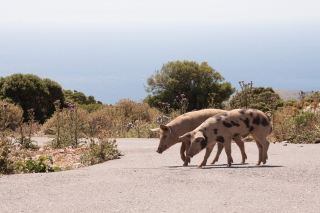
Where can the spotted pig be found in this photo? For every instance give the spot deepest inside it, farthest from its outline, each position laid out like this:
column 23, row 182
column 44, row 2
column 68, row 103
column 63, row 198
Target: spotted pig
column 169, row 134
column 222, row 127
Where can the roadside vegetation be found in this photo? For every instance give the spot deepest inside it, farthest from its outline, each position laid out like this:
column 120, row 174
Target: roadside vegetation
column 84, row 131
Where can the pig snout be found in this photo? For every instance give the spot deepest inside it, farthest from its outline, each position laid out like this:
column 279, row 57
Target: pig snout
column 190, row 154
column 161, row 149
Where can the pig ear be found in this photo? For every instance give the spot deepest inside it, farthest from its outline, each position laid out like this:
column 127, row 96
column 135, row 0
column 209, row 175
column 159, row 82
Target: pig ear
column 187, row 135
column 155, row 130
column 165, row 128
column 199, row 134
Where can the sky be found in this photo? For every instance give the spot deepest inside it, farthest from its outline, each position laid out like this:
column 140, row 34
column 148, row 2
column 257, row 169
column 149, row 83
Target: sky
column 109, row 49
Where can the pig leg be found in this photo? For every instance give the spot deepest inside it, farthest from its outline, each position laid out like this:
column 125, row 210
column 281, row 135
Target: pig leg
column 265, row 151
column 206, row 156
column 220, row 148
column 265, row 146
column 260, row 153
column 187, row 159
column 182, row 150
column 240, row 144
column 227, row 147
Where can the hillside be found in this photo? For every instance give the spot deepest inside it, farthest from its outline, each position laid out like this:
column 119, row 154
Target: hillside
column 289, row 94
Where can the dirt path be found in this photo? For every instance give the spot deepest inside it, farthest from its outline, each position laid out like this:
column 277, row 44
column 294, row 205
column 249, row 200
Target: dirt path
column 144, row 181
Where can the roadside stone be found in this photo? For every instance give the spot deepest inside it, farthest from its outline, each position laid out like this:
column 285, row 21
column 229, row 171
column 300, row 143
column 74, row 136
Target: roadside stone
column 36, row 157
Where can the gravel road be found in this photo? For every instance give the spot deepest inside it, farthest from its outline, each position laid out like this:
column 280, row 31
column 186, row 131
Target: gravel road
column 145, row 181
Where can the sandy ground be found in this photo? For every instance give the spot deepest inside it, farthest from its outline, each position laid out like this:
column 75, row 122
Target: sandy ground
column 145, row 181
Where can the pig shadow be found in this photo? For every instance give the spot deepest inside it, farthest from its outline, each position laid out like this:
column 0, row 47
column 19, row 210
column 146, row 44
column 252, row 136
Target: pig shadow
column 240, row 166
column 224, row 166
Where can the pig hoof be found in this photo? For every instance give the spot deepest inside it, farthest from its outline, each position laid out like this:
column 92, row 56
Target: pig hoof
column 185, row 164
column 214, row 161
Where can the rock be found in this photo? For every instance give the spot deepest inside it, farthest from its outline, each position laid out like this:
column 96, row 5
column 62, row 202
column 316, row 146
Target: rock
column 36, row 157
column 48, row 132
column 78, row 165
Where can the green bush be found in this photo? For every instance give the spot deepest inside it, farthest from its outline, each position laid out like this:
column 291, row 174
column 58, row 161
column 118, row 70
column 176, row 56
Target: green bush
column 264, row 99
column 100, row 151
column 36, row 166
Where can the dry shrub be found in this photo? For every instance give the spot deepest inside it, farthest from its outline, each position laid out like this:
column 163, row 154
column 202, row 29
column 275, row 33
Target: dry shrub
column 11, row 117
column 295, row 126
column 142, row 130
column 133, row 111
column 111, row 119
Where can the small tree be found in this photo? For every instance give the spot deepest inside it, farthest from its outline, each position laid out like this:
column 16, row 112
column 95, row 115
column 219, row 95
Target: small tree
column 189, row 78
column 31, row 92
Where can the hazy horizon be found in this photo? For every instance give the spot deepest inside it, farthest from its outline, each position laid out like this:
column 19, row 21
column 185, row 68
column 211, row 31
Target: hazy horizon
column 273, row 44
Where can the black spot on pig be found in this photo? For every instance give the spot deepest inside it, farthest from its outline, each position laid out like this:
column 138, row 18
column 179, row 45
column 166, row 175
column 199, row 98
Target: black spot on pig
column 246, row 121
column 204, row 142
column 226, row 124
column 264, row 122
column 243, row 111
column 215, row 131
column 256, row 120
column 220, row 139
column 235, row 123
column 251, row 129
